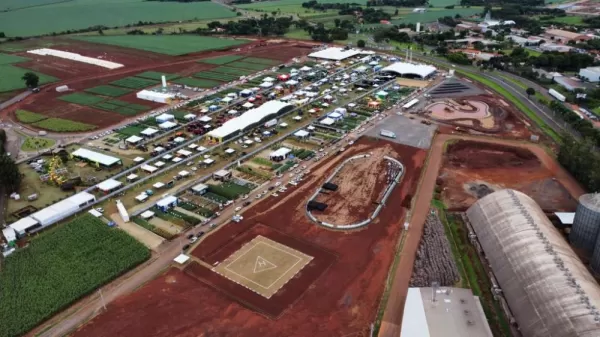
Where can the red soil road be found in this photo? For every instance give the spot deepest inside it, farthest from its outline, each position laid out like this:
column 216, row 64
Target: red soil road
column 392, row 318
column 498, row 166
column 343, row 301
column 361, row 183
column 280, row 301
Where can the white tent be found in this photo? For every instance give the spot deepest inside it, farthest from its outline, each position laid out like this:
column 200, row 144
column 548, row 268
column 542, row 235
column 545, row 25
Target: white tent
column 248, row 105
column 227, row 100
column 149, row 132
column 134, row 139
column 167, row 125
column 266, row 84
column 205, row 119
column 327, row 121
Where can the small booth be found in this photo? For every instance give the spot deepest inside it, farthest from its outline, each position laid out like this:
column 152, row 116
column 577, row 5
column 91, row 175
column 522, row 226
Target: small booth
column 149, row 132
column 183, row 174
column 141, row 197
column 147, row 215
column 184, row 153
column 164, row 118
column 302, row 134
column 131, row 177
column 179, row 140
column 222, row 175
column 280, row 154
column 134, row 140
column 148, row 168
column 165, row 204
column 109, row 185
column 327, row 121
column 229, row 151
column 158, row 185
column 227, row 100
column 167, row 125
column 205, row 119
column 297, row 118
column 138, row 160
column 189, row 117
column 159, row 164
column 247, row 105
column 200, row 189
column 208, row 161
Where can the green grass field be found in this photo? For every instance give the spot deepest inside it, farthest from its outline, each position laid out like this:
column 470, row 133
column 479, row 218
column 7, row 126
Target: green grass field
column 77, row 14
column 108, row 90
column 209, row 75
column 570, row 20
column 10, row 59
column 155, row 75
column 134, row 82
column 430, row 16
column 60, row 266
column 251, row 66
column 232, row 71
column 63, row 125
column 279, row 4
column 11, row 5
column 10, row 78
column 199, row 83
column 260, row 60
column 222, row 59
column 29, row 117
column 165, row 44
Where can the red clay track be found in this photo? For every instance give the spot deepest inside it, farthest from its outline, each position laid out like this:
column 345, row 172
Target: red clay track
column 343, row 301
column 392, row 319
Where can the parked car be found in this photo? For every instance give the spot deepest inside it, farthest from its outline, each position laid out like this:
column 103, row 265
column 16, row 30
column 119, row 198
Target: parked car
column 186, row 247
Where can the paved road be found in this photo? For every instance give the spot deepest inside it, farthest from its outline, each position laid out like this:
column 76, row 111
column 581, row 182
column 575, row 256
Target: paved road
column 15, row 99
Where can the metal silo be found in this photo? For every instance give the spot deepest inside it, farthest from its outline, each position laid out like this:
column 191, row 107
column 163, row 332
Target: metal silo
column 586, row 223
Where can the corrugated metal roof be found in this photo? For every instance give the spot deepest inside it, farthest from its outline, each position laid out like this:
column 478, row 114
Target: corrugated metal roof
column 549, row 290
column 248, row 118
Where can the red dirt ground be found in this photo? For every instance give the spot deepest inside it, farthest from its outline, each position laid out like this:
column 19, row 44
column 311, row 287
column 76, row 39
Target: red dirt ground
column 280, row 301
column 343, row 301
column 497, row 166
column 360, row 183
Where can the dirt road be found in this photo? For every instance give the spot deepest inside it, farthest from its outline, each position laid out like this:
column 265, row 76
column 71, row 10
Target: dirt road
column 392, row 318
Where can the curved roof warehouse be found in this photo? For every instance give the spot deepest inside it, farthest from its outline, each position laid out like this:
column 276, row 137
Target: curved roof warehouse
column 549, row 290
column 415, row 70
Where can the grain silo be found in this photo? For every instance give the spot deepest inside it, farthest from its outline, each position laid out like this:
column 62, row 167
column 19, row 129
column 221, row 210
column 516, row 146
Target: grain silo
column 586, row 223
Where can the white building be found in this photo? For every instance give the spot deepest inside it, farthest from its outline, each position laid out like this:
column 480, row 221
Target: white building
column 167, row 125
column 149, row 132
column 403, row 69
column 109, row 185
column 335, row 53
column 95, row 157
column 134, row 139
column 591, row 74
column 164, row 118
column 154, row 96
column 280, row 154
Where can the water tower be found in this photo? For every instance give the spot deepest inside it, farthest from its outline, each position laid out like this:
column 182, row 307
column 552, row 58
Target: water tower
column 586, row 223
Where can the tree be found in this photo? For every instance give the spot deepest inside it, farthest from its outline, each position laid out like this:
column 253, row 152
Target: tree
column 337, row 22
column 2, row 35
column 9, row 174
column 360, row 43
column 31, row 80
column 530, row 91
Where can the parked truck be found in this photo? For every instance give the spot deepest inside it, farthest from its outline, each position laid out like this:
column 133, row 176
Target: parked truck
column 387, row 133
column 557, row 95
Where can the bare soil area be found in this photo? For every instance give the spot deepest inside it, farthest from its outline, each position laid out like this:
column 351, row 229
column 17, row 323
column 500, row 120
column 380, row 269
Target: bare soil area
column 361, row 183
column 342, row 301
column 473, row 169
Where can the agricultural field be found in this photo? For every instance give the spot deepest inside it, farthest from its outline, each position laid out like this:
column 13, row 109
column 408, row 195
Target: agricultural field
column 59, row 267
column 12, row 77
column 155, row 75
column 273, row 5
column 199, row 83
column 569, row 20
column 247, row 65
column 168, row 44
column 134, row 82
column 216, row 76
column 75, row 15
column 10, row 59
column 108, row 90
column 222, row 59
column 82, row 99
column 51, row 124
column 232, row 71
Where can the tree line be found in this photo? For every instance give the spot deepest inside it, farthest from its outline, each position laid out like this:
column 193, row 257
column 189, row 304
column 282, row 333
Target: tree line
column 10, row 177
column 582, row 160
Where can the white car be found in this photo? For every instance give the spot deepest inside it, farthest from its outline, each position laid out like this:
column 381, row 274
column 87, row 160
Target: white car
column 239, row 208
column 275, row 194
column 277, row 183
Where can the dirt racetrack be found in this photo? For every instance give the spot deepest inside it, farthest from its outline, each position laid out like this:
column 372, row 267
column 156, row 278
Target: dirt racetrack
column 361, row 183
column 472, row 170
column 341, row 302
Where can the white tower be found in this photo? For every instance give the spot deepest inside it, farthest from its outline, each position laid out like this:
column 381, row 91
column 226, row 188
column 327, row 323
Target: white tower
column 164, row 81
column 418, row 29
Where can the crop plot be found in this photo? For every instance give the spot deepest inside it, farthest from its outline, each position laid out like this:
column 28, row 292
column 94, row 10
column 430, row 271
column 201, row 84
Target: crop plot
column 10, row 59
column 134, row 82
column 108, row 90
column 81, row 99
column 263, row 265
column 217, row 76
column 41, row 279
column 12, row 77
column 198, row 83
column 247, row 65
column 232, row 71
column 260, row 60
column 155, row 75
column 220, row 60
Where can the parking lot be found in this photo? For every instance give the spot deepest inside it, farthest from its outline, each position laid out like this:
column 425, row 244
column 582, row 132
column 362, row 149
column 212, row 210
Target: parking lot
column 409, row 132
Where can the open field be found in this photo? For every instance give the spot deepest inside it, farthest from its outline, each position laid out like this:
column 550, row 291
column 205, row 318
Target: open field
column 12, row 78
column 472, row 170
column 60, row 266
column 168, row 45
column 51, row 124
column 10, row 59
column 273, row 5
column 107, row 90
column 75, row 15
column 342, row 301
column 37, row 143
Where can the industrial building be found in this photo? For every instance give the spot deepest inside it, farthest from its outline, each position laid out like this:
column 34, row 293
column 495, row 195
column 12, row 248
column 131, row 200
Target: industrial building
column 95, row 157
column 404, row 69
column 249, row 119
column 548, row 289
column 166, row 203
column 443, row 312
column 565, row 36
column 52, row 214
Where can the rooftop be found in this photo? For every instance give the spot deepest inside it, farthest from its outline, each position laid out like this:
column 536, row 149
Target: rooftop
column 455, row 312
column 96, row 157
